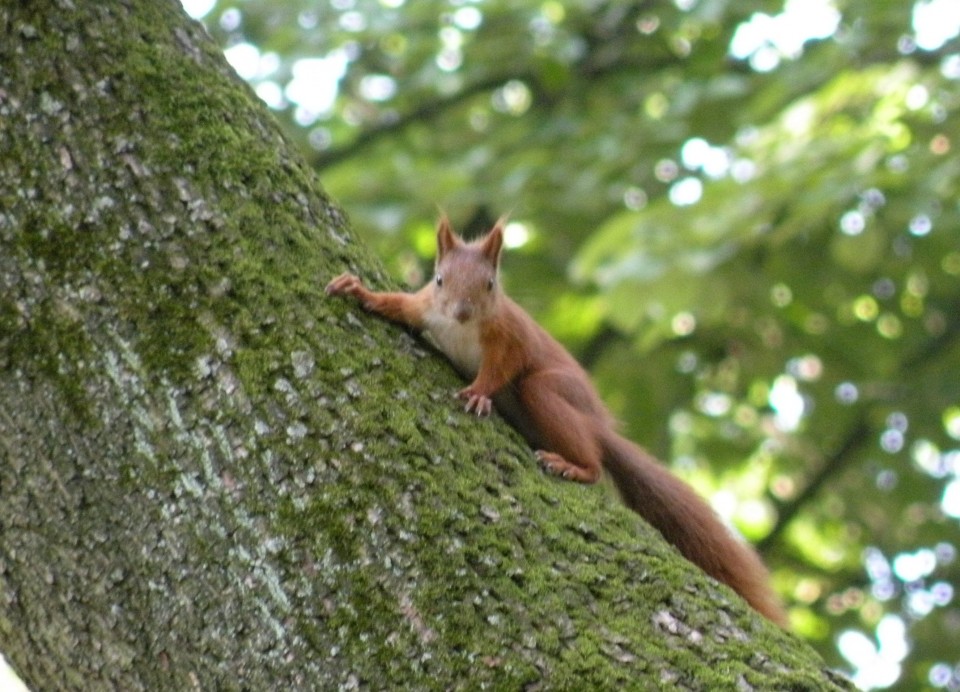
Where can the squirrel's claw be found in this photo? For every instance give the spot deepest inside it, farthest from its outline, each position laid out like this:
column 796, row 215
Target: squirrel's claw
column 476, row 403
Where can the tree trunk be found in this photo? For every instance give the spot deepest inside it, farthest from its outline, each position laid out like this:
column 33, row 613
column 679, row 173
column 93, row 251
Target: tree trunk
column 212, row 477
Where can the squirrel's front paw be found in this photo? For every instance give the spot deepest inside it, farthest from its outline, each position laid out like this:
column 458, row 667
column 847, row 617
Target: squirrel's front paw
column 346, row 285
column 476, row 402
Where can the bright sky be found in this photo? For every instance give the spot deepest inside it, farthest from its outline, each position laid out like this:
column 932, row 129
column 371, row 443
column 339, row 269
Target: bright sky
column 9, row 682
column 198, row 9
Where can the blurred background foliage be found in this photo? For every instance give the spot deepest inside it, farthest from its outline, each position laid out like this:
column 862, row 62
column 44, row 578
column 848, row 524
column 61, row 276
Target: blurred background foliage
column 742, row 216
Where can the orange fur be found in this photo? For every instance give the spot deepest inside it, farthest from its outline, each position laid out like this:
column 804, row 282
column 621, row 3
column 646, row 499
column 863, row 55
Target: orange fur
column 541, row 389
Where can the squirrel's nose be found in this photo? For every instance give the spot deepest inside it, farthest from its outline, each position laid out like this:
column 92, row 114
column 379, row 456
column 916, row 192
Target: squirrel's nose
column 463, row 311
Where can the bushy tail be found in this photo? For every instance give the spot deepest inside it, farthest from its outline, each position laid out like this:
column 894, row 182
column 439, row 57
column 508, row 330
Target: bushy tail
column 688, row 522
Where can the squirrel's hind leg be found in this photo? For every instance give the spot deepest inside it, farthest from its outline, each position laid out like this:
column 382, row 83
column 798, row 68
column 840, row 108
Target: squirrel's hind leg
column 569, row 445
column 556, row 465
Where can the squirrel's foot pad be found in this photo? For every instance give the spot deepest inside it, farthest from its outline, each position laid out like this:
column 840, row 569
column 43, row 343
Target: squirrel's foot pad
column 556, row 465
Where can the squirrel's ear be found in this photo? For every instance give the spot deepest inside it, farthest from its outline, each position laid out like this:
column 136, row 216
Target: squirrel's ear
column 493, row 242
column 446, row 238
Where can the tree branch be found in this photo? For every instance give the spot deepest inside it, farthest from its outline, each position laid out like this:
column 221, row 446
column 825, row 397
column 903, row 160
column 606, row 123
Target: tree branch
column 425, row 112
column 833, row 463
column 588, row 68
column 859, row 435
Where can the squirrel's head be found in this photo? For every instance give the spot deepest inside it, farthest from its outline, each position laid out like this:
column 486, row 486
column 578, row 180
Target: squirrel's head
column 466, row 282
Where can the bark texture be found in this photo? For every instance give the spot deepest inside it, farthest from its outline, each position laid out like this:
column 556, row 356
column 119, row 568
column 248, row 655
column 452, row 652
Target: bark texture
column 212, row 477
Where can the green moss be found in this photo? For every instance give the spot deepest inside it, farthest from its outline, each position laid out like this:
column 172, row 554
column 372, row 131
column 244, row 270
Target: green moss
column 54, row 345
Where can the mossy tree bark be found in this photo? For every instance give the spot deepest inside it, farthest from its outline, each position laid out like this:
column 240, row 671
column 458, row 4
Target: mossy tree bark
column 212, row 477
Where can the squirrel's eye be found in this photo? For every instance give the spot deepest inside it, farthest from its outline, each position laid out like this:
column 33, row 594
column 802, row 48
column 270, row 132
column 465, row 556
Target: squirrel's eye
column 439, row 280
column 490, row 284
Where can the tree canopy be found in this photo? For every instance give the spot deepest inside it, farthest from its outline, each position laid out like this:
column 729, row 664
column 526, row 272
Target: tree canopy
column 742, row 216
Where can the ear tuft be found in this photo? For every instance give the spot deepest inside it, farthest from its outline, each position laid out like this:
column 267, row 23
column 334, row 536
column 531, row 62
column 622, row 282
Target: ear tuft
column 446, row 238
column 493, row 242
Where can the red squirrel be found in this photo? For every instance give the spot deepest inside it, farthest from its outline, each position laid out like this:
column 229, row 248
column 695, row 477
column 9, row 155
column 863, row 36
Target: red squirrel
column 542, row 390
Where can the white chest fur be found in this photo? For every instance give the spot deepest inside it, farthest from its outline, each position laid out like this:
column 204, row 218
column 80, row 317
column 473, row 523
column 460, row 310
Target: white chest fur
column 459, row 342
